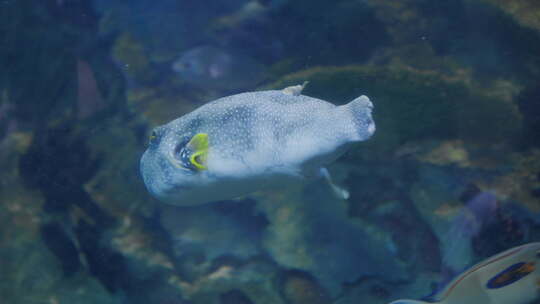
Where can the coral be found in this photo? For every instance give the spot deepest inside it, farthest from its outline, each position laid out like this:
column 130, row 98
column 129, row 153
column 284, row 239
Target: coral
column 518, row 182
column 312, row 233
column 300, row 288
column 472, row 33
column 31, row 272
column 254, row 279
column 133, row 58
column 450, row 152
column 229, row 229
column 526, row 12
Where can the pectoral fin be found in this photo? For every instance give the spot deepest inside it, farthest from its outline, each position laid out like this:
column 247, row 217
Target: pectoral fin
column 199, row 147
column 338, row 191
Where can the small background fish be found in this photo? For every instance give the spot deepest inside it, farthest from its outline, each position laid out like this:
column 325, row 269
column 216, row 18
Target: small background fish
column 210, row 67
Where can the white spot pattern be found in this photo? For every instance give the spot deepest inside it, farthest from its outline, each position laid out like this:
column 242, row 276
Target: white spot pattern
column 255, row 138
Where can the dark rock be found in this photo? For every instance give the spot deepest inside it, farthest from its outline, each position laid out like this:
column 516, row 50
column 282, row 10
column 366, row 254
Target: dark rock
column 469, row 192
column 529, row 106
column 106, row 265
column 63, row 247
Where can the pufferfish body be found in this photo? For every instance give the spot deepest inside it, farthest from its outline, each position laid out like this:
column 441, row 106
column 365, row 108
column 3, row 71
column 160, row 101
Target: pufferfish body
column 251, row 141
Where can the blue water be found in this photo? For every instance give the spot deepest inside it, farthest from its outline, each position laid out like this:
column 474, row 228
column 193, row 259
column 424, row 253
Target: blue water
column 450, row 177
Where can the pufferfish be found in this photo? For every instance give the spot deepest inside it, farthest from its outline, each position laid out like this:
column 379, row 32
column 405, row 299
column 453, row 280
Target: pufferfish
column 510, row 277
column 248, row 142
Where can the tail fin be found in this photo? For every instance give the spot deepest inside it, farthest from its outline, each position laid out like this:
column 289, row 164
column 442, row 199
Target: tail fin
column 409, row 302
column 360, row 111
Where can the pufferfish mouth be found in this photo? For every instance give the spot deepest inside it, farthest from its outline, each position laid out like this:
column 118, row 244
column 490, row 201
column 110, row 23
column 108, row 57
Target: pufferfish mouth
column 191, row 154
column 178, row 163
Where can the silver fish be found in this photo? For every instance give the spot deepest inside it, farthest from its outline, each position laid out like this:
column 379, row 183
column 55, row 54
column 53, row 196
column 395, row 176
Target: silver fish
column 209, row 67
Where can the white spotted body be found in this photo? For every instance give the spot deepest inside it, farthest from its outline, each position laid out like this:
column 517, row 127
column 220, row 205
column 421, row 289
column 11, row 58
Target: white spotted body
column 255, row 140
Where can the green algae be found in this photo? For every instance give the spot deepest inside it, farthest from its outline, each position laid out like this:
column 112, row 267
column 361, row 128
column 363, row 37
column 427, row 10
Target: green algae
column 413, row 105
column 525, row 12
column 133, row 56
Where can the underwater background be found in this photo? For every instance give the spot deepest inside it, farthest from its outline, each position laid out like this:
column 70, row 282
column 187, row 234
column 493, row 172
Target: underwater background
column 450, row 177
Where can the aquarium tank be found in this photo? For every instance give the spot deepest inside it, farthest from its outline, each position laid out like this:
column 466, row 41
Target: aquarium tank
column 269, row 152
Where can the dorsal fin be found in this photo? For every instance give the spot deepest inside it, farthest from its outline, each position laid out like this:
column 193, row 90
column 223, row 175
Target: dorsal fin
column 295, row 90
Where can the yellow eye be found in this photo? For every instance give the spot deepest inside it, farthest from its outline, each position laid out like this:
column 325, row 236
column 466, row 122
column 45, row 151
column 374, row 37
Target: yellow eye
column 153, row 137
